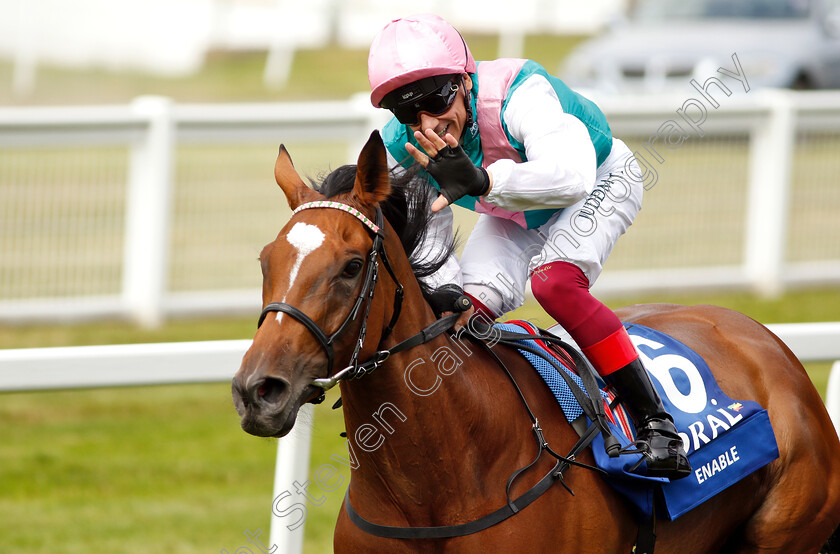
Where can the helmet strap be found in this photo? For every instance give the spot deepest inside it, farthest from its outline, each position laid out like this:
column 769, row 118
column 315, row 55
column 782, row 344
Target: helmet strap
column 468, row 102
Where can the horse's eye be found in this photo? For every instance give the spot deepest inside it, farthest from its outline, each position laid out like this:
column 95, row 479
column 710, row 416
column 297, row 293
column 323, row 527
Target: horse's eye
column 352, row 268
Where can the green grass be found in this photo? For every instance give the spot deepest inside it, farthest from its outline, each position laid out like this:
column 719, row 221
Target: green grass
column 167, row 469
column 129, row 470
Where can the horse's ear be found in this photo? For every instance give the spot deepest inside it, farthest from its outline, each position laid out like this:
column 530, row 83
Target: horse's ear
column 287, row 177
column 373, row 183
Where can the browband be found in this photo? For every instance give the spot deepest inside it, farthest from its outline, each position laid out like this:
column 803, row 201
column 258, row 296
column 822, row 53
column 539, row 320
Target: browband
column 339, row 206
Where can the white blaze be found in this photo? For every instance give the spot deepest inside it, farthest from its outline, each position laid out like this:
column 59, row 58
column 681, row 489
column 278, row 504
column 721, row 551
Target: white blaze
column 306, row 239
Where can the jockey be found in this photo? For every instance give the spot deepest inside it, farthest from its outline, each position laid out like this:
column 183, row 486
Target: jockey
column 553, row 188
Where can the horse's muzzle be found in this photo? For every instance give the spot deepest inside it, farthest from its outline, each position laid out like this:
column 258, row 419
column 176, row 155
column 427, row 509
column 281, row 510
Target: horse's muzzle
column 265, row 406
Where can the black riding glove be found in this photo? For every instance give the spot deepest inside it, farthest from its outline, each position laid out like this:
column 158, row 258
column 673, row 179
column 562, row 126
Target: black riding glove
column 456, row 174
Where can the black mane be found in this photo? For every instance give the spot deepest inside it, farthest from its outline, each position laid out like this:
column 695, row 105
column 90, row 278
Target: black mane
column 408, row 210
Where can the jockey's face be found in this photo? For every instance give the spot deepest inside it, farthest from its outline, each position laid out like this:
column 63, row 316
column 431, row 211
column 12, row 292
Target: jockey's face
column 452, row 120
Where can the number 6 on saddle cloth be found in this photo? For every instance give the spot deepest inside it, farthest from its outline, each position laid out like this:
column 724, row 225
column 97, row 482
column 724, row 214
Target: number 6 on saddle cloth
column 725, row 439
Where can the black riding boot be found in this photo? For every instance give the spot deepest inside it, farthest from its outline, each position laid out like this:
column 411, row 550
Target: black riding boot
column 656, row 436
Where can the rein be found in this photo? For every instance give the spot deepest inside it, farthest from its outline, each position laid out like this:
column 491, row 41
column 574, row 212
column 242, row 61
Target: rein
column 591, row 404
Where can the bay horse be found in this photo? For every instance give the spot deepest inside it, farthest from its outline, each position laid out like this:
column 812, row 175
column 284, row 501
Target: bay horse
column 438, row 428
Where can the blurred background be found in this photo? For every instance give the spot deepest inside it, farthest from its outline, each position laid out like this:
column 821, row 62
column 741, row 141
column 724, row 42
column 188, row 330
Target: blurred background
column 137, row 141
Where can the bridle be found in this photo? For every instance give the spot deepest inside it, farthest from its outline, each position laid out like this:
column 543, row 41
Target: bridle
column 377, row 250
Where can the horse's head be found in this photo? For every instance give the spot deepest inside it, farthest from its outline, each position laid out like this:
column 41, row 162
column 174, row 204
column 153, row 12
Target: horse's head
column 317, row 277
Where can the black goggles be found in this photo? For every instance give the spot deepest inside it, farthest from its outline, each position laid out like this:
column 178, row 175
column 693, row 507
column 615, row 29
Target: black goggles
column 434, row 103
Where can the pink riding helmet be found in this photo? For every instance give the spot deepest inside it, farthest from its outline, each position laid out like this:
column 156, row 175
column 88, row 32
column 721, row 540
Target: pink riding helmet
column 413, row 48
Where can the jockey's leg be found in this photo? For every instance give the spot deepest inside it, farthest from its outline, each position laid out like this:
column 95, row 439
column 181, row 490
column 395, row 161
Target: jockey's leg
column 655, row 432
column 562, row 290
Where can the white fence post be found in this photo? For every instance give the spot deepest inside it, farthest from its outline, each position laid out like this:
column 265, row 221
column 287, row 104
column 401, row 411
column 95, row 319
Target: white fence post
column 26, row 49
column 290, row 472
column 832, row 395
column 148, row 214
column 771, row 155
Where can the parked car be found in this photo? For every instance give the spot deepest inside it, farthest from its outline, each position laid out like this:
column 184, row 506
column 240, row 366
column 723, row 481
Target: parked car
column 663, row 44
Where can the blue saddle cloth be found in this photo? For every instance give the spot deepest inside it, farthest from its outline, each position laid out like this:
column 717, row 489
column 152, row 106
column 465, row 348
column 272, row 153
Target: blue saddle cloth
column 725, row 440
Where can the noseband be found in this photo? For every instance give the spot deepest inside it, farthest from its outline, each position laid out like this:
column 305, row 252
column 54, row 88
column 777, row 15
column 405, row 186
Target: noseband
column 371, row 276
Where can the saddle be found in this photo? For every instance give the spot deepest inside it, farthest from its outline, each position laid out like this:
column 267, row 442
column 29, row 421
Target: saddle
column 725, row 439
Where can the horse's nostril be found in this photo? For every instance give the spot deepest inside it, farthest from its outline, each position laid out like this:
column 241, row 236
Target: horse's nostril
column 271, row 390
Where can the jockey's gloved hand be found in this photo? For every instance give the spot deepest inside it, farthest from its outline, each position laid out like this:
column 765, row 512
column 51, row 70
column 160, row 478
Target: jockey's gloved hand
column 457, row 175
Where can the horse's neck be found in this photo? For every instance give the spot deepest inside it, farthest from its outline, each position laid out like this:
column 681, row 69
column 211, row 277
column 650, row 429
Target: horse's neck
column 424, row 412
